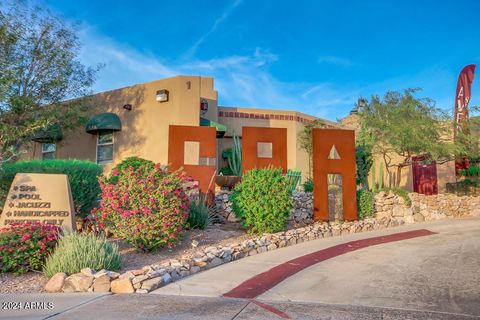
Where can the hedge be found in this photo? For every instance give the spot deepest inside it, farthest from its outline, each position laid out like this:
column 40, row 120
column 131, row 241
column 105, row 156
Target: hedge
column 82, row 175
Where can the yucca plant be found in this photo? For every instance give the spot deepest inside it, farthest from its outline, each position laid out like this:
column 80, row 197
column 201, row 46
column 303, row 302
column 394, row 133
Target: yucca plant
column 235, row 157
column 201, row 213
column 76, row 251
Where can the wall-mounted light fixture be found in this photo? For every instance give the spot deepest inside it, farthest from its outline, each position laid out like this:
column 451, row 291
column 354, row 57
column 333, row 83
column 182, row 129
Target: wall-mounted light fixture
column 162, row 95
column 203, row 106
column 128, row 107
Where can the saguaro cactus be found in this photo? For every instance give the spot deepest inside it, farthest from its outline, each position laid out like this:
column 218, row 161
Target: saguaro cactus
column 235, row 158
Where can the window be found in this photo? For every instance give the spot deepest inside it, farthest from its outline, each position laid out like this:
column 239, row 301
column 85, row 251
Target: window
column 105, row 147
column 48, row 150
column 264, row 149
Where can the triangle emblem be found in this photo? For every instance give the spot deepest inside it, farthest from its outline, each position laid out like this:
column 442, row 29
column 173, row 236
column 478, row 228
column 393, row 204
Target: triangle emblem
column 333, row 154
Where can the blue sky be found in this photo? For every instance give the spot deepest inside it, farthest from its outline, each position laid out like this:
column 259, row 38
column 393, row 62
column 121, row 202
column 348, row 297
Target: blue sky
column 316, row 57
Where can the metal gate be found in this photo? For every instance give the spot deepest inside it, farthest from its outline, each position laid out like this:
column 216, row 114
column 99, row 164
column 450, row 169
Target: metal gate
column 424, row 176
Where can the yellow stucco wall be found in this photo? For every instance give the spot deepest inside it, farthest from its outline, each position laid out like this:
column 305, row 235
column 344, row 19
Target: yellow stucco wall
column 145, row 128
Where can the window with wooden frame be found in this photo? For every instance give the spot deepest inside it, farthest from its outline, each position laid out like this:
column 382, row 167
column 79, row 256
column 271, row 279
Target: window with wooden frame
column 48, row 150
column 105, row 147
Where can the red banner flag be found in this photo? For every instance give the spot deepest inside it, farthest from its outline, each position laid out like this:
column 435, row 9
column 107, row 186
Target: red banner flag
column 462, row 97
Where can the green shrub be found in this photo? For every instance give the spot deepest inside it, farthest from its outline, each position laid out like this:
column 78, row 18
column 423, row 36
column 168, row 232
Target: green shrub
column 76, row 251
column 82, row 175
column 263, row 200
column 364, row 161
column 472, row 171
column 147, row 207
column 200, row 214
column 365, row 203
column 308, row 185
column 466, row 187
column 134, row 162
column 24, row 246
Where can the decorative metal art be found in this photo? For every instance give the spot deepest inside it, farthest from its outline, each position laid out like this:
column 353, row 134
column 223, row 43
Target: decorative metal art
column 264, row 147
column 334, row 153
column 204, row 170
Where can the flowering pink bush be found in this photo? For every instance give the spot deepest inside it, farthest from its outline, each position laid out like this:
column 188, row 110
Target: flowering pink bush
column 147, row 207
column 25, row 245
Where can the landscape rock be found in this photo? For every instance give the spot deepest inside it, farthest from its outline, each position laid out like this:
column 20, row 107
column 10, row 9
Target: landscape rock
column 123, row 285
column 418, row 217
column 214, row 262
column 102, row 284
column 138, row 279
column 55, row 284
column 88, row 272
column 166, row 278
column 77, row 282
column 152, row 284
column 141, row 291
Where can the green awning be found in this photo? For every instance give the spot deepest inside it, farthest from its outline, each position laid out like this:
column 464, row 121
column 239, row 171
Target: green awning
column 52, row 133
column 103, row 121
column 221, row 128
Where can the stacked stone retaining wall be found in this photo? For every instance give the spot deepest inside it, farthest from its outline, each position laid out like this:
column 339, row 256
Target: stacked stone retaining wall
column 391, row 211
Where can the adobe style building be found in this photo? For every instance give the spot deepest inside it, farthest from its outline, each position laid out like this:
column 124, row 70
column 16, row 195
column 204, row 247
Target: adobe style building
column 135, row 120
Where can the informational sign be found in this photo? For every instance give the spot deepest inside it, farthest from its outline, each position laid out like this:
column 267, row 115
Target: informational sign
column 46, row 198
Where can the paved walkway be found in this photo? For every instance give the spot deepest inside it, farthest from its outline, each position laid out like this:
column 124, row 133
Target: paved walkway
column 161, row 307
column 439, row 272
column 428, row 276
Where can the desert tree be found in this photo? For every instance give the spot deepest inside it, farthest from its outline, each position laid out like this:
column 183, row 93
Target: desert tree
column 42, row 80
column 400, row 126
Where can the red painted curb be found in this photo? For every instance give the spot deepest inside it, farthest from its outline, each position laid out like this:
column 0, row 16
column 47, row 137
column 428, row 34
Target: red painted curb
column 271, row 309
column 262, row 282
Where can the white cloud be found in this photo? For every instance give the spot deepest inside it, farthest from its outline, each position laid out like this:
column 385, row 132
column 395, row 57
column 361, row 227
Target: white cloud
column 246, row 81
column 241, row 80
column 191, row 51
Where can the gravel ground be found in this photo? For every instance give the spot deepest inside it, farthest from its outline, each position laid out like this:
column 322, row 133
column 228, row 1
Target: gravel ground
column 31, row 282
column 219, row 234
